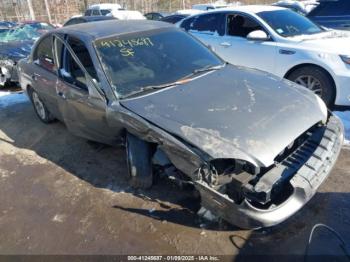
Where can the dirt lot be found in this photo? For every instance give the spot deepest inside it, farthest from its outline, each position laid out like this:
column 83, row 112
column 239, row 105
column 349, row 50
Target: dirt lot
column 63, row 195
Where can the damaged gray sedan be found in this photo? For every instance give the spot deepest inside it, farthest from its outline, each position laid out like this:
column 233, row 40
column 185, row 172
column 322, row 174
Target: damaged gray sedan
column 256, row 147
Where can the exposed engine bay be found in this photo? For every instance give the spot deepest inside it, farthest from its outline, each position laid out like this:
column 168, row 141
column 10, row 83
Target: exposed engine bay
column 263, row 188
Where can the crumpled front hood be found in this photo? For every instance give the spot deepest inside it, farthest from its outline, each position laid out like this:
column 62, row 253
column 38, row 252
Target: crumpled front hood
column 233, row 113
column 15, row 50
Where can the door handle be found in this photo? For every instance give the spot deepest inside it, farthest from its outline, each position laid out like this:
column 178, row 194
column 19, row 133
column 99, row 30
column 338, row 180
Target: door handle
column 225, row 44
column 35, row 76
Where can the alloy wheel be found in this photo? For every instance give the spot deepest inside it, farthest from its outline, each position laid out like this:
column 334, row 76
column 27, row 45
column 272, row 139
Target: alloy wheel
column 39, row 106
column 311, row 83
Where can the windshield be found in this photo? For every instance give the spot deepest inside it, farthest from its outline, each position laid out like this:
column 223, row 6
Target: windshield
column 288, row 23
column 152, row 58
column 21, row 33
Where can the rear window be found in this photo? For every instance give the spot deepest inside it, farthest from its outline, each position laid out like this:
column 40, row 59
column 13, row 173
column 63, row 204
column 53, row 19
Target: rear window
column 332, row 8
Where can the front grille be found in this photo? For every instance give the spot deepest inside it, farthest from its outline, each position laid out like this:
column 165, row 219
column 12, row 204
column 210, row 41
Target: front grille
column 296, row 144
column 309, row 152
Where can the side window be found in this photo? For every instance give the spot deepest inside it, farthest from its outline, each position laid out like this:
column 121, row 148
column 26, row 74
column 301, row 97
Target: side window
column 77, row 76
column 149, row 16
column 105, row 12
column 157, row 17
column 43, row 55
column 88, row 12
column 209, row 23
column 241, row 26
column 187, row 24
column 95, row 12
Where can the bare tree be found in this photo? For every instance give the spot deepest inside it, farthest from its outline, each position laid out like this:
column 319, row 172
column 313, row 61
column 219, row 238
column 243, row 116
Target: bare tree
column 31, row 11
column 48, row 11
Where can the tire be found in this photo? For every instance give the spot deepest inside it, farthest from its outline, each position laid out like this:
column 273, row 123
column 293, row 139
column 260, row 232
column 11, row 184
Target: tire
column 139, row 162
column 39, row 107
column 317, row 80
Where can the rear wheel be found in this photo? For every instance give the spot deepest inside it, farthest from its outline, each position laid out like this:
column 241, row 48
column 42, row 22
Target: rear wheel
column 317, row 81
column 139, row 162
column 40, row 109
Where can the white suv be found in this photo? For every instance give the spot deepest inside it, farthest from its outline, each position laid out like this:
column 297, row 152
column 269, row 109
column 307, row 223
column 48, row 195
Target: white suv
column 114, row 10
column 282, row 42
column 102, row 9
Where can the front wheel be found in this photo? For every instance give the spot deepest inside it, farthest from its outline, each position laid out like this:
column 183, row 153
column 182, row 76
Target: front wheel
column 139, row 162
column 317, row 81
column 40, row 109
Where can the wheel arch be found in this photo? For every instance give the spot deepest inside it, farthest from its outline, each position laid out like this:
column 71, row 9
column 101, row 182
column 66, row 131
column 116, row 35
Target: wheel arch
column 334, row 86
column 290, row 71
column 29, row 89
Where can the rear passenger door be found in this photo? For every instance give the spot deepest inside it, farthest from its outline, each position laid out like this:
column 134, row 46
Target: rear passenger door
column 208, row 28
column 44, row 75
column 81, row 100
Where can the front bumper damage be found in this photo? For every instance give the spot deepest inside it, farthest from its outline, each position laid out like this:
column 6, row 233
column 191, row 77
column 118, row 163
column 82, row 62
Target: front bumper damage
column 8, row 73
column 306, row 169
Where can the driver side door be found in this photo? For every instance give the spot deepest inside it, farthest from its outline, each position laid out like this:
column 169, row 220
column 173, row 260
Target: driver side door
column 80, row 99
column 237, row 49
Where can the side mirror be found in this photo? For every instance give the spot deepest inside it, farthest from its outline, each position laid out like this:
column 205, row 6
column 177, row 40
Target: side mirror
column 258, row 35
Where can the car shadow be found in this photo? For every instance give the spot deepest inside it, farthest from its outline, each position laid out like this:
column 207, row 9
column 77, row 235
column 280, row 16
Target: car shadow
column 100, row 165
column 289, row 240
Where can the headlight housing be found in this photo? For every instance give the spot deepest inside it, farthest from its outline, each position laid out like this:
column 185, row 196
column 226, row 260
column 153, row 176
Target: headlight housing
column 345, row 59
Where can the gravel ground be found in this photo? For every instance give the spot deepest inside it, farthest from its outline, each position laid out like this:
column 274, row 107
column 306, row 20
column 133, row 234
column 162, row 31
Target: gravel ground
column 63, row 195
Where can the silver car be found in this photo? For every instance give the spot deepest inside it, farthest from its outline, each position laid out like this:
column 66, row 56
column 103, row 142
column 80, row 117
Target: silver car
column 256, row 147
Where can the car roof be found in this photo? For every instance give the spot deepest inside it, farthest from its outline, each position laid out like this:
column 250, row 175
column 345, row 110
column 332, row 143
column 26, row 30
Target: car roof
column 102, row 29
column 249, row 8
column 105, row 6
column 96, row 18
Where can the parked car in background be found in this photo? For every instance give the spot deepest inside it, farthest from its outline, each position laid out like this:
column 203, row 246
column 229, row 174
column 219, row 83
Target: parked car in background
column 206, row 7
column 256, row 147
column 282, row 42
column 15, row 44
column 7, row 24
column 102, row 9
column 3, row 30
column 114, row 10
column 87, row 19
column 215, row 5
column 188, row 12
column 156, row 15
column 296, row 6
column 173, row 19
column 40, row 27
column 332, row 14
column 310, row 5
